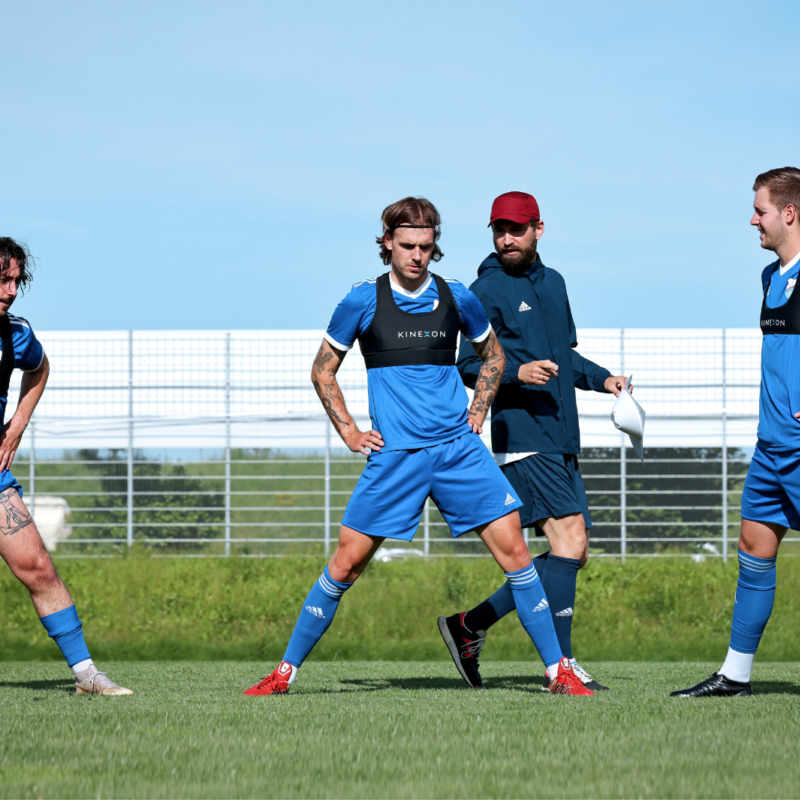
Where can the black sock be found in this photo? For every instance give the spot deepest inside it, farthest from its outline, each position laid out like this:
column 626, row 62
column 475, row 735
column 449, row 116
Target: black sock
column 481, row 618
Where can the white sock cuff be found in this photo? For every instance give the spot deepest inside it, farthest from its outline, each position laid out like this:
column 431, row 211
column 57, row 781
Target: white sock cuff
column 738, row 666
column 552, row 671
column 82, row 666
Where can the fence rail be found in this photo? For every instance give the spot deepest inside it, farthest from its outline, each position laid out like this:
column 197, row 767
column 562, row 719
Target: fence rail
column 213, row 443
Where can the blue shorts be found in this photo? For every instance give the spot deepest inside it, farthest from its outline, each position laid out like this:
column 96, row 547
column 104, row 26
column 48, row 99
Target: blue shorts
column 8, row 481
column 549, row 485
column 772, row 489
column 459, row 476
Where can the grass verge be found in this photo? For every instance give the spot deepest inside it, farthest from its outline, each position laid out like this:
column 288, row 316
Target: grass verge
column 151, row 608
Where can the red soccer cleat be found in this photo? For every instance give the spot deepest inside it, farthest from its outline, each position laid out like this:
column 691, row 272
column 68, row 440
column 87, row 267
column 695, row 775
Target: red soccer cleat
column 276, row 683
column 567, row 682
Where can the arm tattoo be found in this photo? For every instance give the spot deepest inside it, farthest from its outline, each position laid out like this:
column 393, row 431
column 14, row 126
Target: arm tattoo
column 12, row 519
column 327, row 394
column 493, row 358
column 322, row 358
column 323, row 374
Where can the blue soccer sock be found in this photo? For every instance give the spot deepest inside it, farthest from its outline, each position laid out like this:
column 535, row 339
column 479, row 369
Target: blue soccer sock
column 559, row 576
column 315, row 617
column 66, row 630
column 755, row 596
column 483, row 616
column 534, row 613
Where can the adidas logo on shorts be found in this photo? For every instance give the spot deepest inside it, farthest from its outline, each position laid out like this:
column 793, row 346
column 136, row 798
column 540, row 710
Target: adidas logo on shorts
column 316, row 611
column 567, row 612
column 509, row 500
column 542, row 606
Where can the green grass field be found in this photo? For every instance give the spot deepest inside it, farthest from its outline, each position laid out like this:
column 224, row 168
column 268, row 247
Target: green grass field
column 410, row 729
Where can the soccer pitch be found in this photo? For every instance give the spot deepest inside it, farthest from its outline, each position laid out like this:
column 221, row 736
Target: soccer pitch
column 380, row 729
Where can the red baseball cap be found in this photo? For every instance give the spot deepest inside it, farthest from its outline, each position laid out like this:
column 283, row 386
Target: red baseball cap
column 515, row 207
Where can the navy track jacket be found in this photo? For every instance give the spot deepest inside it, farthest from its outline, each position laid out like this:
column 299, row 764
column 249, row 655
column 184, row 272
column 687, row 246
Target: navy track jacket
column 531, row 316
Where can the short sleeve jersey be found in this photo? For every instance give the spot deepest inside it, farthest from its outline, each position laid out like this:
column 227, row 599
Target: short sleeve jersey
column 779, row 401
column 413, row 406
column 28, row 352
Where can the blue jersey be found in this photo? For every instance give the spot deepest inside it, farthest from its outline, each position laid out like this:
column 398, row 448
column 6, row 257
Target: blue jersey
column 778, row 430
column 415, row 406
column 28, row 353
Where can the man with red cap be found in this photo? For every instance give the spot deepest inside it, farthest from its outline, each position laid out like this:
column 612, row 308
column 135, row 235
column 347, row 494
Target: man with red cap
column 535, row 433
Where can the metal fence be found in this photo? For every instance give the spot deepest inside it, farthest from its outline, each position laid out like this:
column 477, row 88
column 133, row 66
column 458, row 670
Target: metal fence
column 213, row 443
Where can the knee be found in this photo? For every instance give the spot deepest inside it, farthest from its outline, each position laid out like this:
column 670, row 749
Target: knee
column 343, row 568
column 37, row 572
column 519, row 554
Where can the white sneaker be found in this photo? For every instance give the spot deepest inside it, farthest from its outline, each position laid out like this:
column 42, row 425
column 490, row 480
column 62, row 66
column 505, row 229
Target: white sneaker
column 98, row 683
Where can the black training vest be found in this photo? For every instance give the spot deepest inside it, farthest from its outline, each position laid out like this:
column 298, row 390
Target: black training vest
column 785, row 319
column 396, row 338
column 8, row 361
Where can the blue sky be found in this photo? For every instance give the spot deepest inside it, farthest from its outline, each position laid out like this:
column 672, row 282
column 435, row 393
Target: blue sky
column 224, row 164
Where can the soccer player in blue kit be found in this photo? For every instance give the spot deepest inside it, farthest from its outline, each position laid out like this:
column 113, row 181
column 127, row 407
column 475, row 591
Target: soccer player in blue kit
column 21, row 545
column 771, row 494
column 423, row 440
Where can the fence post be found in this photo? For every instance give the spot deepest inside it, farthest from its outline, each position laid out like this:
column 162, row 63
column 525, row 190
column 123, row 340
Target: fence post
column 32, row 469
column 724, row 445
column 228, row 443
column 328, row 425
column 623, row 514
column 130, row 438
column 426, row 527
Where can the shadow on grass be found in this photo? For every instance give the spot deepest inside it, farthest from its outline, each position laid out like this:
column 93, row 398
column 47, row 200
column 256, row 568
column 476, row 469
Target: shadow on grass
column 60, row 685
column 775, row 687
column 524, row 684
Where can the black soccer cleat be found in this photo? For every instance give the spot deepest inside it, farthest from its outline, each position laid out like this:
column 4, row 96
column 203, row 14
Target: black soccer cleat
column 587, row 680
column 716, row 686
column 464, row 647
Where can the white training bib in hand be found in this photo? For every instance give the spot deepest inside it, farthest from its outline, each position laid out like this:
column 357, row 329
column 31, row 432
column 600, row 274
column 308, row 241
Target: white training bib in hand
column 628, row 417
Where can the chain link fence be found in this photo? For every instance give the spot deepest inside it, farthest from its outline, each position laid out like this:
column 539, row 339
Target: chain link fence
column 214, row 443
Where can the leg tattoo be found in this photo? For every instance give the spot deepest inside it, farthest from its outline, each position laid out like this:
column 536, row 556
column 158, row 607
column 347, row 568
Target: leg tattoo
column 12, row 519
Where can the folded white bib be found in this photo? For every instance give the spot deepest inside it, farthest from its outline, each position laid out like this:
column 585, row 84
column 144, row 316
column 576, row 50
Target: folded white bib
column 628, row 417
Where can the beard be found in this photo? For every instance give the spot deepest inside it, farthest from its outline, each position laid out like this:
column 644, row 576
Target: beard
column 518, row 260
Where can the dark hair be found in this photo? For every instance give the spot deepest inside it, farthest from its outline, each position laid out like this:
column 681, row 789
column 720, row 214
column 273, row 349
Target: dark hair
column 10, row 249
column 783, row 185
column 412, row 212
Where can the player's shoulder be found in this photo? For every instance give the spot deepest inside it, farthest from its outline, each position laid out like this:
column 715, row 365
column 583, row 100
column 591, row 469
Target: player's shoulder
column 364, row 285
column 363, row 290
column 19, row 324
column 455, row 286
column 360, row 293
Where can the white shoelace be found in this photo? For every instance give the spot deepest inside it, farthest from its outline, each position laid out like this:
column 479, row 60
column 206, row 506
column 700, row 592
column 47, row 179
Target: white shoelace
column 474, row 649
column 581, row 673
column 92, row 679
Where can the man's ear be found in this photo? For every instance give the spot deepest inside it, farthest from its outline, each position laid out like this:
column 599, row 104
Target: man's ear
column 387, row 240
column 539, row 229
column 790, row 213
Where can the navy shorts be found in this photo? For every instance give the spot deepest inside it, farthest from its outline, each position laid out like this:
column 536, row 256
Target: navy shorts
column 549, row 485
column 772, row 489
column 461, row 477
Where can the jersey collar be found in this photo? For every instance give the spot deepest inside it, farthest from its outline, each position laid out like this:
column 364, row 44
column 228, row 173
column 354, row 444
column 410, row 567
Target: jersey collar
column 784, row 270
column 415, row 294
